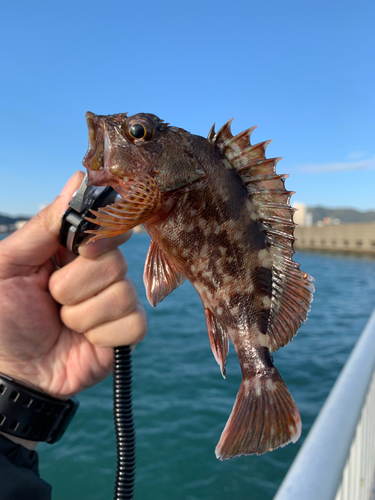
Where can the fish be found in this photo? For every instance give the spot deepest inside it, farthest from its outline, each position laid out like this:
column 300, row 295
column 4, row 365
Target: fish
column 219, row 216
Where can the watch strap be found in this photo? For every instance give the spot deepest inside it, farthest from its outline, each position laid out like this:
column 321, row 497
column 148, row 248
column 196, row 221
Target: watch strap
column 33, row 415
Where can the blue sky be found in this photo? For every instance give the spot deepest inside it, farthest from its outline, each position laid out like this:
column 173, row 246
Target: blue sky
column 303, row 71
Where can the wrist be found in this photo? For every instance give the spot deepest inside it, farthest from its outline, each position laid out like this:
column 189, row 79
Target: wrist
column 30, row 445
column 30, row 379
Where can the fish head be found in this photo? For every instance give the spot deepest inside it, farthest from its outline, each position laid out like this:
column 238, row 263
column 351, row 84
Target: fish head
column 123, row 147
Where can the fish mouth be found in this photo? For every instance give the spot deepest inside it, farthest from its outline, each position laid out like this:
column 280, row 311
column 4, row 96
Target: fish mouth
column 93, row 160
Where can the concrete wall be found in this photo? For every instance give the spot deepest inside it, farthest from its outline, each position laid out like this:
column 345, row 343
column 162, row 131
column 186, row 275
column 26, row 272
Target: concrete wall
column 358, row 238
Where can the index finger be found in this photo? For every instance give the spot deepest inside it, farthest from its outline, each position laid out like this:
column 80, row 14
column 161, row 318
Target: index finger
column 99, row 247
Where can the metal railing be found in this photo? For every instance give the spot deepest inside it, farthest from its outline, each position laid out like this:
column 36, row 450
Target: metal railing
column 337, row 459
column 358, row 476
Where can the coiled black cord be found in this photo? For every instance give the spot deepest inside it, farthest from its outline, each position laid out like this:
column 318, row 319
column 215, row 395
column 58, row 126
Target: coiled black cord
column 124, row 423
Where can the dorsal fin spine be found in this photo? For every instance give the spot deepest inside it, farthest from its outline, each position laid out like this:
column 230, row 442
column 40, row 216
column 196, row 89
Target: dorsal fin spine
column 244, row 134
column 280, row 233
column 263, row 177
column 253, row 169
column 211, row 134
column 248, row 154
column 283, row 248
column 225, row 128
column 223, row 134
column 273, row 191
column 277, row 220
column 279, row 206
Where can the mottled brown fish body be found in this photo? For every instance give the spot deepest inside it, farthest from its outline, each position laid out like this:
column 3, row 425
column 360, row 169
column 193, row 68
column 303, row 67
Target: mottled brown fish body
column 218, row 215
column 212, row 240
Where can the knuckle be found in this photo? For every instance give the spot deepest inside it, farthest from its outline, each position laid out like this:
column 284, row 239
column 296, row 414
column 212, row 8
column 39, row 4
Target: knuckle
column 71, row 319
column 116, row 266
column 128, row 330
column 58, row 287
column 141, row 323
column 124, row 296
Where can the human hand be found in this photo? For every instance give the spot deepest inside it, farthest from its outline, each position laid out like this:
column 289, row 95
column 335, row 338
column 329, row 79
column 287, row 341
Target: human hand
column 58, row 327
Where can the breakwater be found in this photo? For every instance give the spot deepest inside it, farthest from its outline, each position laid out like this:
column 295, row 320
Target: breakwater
column 352, row 238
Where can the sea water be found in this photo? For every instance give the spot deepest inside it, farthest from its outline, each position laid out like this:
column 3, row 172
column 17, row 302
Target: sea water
column 181, row 402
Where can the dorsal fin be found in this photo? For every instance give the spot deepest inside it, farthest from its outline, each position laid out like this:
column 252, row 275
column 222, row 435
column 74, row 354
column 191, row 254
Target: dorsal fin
column 292, row 289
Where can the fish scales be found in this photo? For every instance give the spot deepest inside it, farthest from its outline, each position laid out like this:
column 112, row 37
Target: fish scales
column 213, row 221
column 218, row 215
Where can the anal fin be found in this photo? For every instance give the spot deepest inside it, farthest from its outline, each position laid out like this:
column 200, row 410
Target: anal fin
column 219, row 340
column 160, row 275
column 264, row 417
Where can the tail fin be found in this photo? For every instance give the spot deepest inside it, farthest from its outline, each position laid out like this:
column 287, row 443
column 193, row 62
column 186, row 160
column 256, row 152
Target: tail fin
column 263, row 418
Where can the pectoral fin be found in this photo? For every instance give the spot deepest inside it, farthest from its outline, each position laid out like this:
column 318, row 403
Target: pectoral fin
column 160, row 276
column 141, row 202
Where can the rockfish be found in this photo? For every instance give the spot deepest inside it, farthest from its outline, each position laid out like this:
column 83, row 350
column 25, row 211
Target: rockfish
column 219, row 215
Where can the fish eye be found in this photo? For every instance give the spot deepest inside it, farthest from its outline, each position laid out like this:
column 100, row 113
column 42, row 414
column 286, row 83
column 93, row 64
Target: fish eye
column 139, row 128
column 138, row 131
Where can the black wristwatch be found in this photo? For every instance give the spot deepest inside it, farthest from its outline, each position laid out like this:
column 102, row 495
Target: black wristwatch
column 30, row 414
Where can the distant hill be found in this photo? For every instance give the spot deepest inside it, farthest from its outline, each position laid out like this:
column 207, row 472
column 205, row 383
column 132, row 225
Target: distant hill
column 8, row 223
column 8, row 219
column 346, row 215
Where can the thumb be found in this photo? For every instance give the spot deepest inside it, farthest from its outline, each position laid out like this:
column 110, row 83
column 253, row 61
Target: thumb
column 38, row 240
